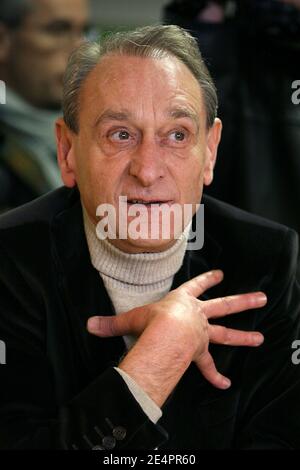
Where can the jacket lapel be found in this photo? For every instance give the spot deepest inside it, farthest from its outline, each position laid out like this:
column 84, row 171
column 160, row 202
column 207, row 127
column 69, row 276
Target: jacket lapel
column 83, row 290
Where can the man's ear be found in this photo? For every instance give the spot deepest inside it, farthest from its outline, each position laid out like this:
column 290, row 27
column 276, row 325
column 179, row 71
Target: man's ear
column 65, row 153
column 5, row 43
column 213, row 138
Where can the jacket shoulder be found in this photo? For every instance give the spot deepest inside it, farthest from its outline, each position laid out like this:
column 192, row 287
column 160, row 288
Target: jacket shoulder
column 227, row 222
column 39, row 211
column 250, row 241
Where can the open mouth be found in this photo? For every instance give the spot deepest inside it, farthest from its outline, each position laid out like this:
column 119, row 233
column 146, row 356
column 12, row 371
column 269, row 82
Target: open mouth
column 147, row 203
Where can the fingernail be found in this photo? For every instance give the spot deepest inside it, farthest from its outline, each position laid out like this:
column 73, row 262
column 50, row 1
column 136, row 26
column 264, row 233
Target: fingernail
column 262, row 298
column 226, row 383
column 217, row 272
column 258, row 339
column 93, row 323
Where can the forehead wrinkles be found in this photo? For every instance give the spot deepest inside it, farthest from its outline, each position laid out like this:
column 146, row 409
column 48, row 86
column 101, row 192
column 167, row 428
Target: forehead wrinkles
column 143, row 85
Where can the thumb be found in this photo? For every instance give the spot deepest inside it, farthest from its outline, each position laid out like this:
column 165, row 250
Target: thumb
column 105, row 326
column 132, row 322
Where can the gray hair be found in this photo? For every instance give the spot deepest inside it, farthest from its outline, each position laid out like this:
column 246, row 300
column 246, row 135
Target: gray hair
column 12, row 12
column 148, row 41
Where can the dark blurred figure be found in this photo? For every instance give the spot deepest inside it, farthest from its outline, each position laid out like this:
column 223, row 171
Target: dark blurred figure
column 36, row 38
column 253, row 50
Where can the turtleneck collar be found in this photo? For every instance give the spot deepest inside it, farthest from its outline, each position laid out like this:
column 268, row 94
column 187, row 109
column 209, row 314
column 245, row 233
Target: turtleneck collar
column 150, row 270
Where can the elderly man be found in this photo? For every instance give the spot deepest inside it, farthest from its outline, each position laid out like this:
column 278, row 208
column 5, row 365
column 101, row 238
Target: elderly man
column 113, row 341
column 36, row 39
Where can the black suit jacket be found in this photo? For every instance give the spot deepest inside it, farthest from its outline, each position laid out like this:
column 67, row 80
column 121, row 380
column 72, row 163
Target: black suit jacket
column 58, row 386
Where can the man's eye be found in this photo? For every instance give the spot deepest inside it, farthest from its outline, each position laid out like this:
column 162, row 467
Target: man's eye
column 177, row 136
column 120, row 135
column 57, row 28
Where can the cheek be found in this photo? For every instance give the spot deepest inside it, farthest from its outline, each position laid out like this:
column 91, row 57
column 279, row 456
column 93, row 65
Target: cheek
column 22, row 64
column 50, row 67
column 194, row 188
column 92, row 186
column 57, row 61
column 192, row 179
column 98, row 177
column 43, row 60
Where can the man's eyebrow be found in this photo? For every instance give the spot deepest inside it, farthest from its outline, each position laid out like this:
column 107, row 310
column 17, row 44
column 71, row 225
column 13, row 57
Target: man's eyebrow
column 125, row 115
column 178, row 113
column 111, row 115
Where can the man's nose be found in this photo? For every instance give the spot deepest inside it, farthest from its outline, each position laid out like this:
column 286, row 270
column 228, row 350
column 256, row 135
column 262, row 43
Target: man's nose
column 147, row 163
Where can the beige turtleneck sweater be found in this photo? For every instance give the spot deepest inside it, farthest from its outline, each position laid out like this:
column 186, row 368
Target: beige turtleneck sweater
column 133, row 280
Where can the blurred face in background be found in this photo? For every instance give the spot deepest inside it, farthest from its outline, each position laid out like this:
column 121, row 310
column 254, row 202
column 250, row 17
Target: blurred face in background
column 34, row 54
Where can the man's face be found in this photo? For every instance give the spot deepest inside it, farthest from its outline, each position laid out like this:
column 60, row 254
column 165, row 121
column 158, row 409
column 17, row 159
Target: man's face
column 39, row 49
column 142, row 135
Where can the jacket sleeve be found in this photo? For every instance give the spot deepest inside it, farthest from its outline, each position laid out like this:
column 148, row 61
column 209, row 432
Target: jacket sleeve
column 269, row 411
column 104, row 415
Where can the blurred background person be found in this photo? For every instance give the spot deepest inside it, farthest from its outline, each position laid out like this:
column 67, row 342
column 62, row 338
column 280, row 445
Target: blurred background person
column 36, row 38
column 253, row 50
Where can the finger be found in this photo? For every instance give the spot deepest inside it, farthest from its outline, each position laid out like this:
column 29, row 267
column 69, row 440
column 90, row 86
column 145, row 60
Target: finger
column 229, row 337
column 199, row 284
column 208, row 369
column 132, row 322
column 108, row 326
column 216, row 308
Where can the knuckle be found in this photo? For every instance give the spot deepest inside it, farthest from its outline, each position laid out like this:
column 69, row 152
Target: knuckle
column 205, row 324
column 227, row 337
column 207, row 362
column 250, row 339
column 201, row 284
column 226, row 302
column 107, row 326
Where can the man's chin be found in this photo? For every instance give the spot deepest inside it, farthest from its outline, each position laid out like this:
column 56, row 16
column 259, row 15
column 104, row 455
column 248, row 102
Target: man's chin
column 142, row 245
